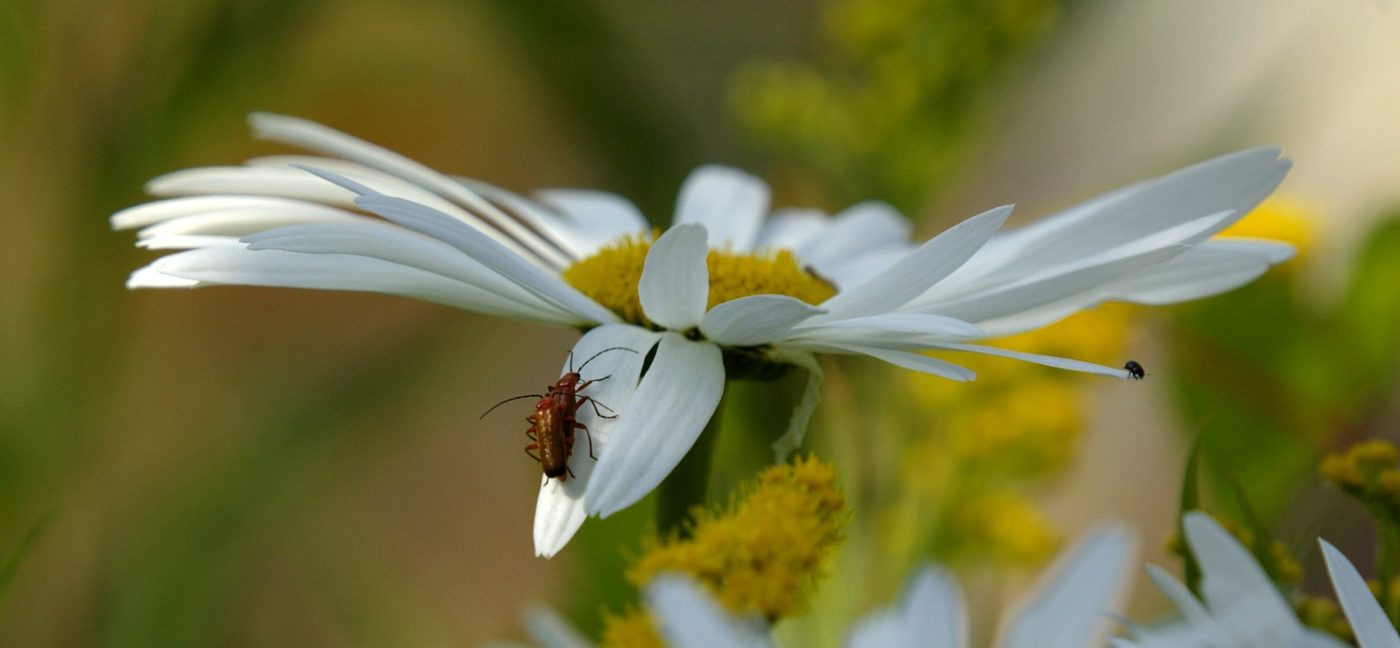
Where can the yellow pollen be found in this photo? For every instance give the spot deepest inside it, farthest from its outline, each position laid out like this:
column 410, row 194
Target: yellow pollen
column 610, row 277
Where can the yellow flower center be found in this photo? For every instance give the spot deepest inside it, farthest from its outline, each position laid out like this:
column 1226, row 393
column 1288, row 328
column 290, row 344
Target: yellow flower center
column 610, row 277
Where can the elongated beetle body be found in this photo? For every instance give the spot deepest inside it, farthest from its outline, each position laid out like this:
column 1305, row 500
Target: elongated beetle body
column 555, row 419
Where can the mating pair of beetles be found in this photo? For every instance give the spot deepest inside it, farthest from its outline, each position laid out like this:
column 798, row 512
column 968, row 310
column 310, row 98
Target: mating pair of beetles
column 553, row 423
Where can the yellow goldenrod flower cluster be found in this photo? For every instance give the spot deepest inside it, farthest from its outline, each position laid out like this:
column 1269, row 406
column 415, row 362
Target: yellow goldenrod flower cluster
column 1369, row 472
column 1324, row 614
column 904, row 100
column 1283, row 219
column 979, row 446
column 761, row 556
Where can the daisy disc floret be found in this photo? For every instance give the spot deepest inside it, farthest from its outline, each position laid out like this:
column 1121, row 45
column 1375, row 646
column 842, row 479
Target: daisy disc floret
column 729, row 289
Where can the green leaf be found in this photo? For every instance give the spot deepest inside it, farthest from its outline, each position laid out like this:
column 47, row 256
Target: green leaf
column 1190, row 501
column 1263, row 538
column 9, row 565
column 1371, row 313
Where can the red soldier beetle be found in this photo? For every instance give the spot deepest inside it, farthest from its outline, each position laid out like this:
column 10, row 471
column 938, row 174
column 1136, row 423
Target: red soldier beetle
column 555, row 418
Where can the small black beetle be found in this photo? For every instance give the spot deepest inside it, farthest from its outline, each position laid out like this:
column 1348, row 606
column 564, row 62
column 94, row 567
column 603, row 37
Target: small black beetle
column 1135, row 370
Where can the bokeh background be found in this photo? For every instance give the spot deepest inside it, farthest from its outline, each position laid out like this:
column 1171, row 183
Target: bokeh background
column 272, row 467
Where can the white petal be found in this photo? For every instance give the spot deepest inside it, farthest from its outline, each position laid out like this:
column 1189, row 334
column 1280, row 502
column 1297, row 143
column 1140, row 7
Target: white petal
column 728, row 202
column 755, row 320
column 912, row 361
column 1210, row 268
column 550, row 630
column 1078, row 596
column 915, row 273
column 1238, row 592
column 560, row 510
column 316, row 137
column 255, row 181
column 1047, row 360
column 163, row 210
column 677, row 396
column 1368, row 621
column 847, row 273
column 1192, row 611
column 479, row 246
column 857, row 230
column 687, row 617
column 931, row 614
column 149, row 277
column 595, row 218
column 806, row 405
column 890, row 326
column 1047, row 289
column 387, row 242
column 238, row 222
column 186, row 242
column 236, row 265
column 791, row 228
column 1231, row 183
column 675, row 282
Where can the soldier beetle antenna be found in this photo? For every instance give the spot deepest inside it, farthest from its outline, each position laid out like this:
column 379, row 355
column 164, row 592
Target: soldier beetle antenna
column 512, row 398
column 595, row 356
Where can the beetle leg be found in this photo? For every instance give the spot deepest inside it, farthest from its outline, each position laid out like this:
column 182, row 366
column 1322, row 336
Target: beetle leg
column 596, row 404
column 533, row 446
column 589, row 434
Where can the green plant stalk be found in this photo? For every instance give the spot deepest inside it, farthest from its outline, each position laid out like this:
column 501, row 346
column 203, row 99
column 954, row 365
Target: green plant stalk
column 1387, row 564
column 687, row 486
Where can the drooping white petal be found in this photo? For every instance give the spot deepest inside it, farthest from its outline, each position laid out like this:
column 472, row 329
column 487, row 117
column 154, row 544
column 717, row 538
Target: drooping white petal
column 913, row 361
column 730, row 204
column 187, row 241
column 806, row 404
column 859, row 229
column 594, row 217
column 915, row 273
column 560, row 510
column 1046, row 360
column 755, row 320
column 1368, row 621
column 477, row 245
column 316, row 137
column 687, row 617
column 237, row 265
column 388, row 242
column 675, row 283
column 889, row 326
column 550, row 630
column 931, row 614
column 1239, row 594
column 675, row 400
column 1079, row 594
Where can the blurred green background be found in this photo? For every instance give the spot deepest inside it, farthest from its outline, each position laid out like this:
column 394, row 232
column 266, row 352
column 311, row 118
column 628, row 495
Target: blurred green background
column 272, row 467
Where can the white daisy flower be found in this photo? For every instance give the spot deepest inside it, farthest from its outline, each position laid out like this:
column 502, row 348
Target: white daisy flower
column 1242, row 608
column 726, row 290
column 1069, row 609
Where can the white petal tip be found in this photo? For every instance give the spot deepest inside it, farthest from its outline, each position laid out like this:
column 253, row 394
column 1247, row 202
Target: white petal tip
column 149, row 277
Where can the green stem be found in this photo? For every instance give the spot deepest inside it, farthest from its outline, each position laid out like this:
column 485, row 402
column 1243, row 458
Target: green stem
column 687, row 485
column 1387, row 566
